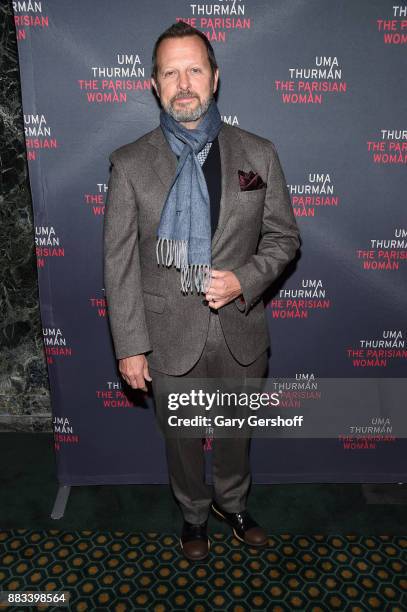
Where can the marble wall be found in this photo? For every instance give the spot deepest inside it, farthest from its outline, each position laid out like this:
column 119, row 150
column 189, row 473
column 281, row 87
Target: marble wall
column 24, row 388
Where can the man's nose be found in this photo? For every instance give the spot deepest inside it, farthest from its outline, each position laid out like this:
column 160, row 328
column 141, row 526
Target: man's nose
column 184, row 81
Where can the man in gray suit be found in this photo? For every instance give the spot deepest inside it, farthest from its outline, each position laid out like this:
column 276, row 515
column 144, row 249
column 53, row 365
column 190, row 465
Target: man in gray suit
column 198, row 224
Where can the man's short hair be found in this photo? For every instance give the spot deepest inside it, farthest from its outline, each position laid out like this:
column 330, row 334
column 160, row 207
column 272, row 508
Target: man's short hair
column 179, row 30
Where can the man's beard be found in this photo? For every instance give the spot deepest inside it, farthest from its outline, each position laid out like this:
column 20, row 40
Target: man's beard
column 188, row 114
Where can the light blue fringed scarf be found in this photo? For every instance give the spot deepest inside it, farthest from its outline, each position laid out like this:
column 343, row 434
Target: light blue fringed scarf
column 184, row 232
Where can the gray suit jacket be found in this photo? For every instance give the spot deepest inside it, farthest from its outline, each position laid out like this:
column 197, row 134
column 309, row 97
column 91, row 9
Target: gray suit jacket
column 256, row 237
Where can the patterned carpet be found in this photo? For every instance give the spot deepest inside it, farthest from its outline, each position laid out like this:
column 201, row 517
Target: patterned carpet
column 123, row 572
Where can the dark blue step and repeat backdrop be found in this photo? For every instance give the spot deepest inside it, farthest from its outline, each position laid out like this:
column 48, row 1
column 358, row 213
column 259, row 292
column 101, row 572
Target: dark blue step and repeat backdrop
column 325, row 81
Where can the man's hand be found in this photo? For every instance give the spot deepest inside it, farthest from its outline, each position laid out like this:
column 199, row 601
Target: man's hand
column 224, row 288
column 135, row 372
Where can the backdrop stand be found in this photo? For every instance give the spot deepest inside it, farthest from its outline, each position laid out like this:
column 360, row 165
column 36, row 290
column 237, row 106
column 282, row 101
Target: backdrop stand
column 60, row 502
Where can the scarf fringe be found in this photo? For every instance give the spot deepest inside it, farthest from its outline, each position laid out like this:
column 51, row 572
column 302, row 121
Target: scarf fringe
column 176, row 253
column 199, row 273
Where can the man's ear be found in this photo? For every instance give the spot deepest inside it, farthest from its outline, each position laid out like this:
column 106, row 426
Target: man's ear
column 215, row 80
column 154, row 84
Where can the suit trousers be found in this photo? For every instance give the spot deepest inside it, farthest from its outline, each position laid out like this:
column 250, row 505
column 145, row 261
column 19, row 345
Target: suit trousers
column 231, row 472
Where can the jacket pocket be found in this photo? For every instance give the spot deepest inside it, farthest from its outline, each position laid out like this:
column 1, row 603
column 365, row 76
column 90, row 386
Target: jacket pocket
column 154, row 302
column 253, row 194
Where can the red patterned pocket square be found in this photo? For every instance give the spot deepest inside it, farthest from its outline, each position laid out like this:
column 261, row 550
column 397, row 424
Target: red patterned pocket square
column 249, row 181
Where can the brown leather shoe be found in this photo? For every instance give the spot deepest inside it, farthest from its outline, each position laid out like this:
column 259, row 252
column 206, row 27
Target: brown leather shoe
column 194, row 541
column 244, row 526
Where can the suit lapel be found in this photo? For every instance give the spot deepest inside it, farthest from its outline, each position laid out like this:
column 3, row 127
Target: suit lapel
column 230, row 159
column 164, row 163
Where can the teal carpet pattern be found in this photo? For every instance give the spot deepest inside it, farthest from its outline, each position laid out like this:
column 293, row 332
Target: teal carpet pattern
column 125, row 572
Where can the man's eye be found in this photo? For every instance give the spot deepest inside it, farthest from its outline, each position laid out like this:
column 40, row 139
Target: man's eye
column 196, row 70
column 169, row 73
